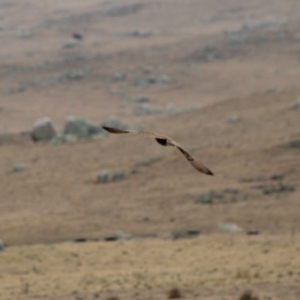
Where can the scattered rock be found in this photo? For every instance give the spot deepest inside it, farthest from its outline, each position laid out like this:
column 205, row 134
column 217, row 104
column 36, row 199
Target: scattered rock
column 80, row 240
column 124, row 10
column 252, row 179
column 18, row 168
column 70, row 43
column 77, row 36
column 277, row 176
column 6, row 3
column 105, row 176
column 139, row 81
column 229, row 227
column 253, row 232
column 43, row 130
column 59, row 10
column 25, row 34
column 143, row 109
column 114, row 122
column 233, row 120
column 295, row 144
column 182, row 234
column 148, row 69
column 142, row 100
column 118, row 76
column 295, row 105
column 75, row 74
column 161, row 79
column 58, row 139
column 2, row 245
column 297, row 36
column 280, row 188
column 140, row 33
column 81, row 128
column 205, row 198
column 225, row 196
column 118, row 235
column 118, row 176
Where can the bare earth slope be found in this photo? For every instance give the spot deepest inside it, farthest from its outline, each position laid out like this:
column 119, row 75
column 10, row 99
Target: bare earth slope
column 220, row 78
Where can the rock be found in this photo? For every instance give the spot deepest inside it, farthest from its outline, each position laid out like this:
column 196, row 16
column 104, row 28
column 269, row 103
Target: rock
column 142, row 100
column 252, row 179
column 118, row 176
column 58, row 139
column 70, row 138
column 25, row 34
column 225, row 196
column 124, row 10
column 2, row 245
column 80, row 240
column 205, row 198
column 70, row 43
column 104, row 176
column 286, row 187
column 281, row 187
column 143, row 109
column 147, row 69
column 75, row 74
column 18, row 168
column 295, row 105
column 139, row 81
column 229, row 227
column 6, row 3
column 181, row 233
column 118, row 235
column 163, row 79
column 59, row 10
column 43, row 130
column 233, row 120
column 141, row 33
column 81, row 128
column 295, row 144
column 77, row 36
column 297, row 36
column 209, row 47
column 277, row 176
column 118, row 76
column 114, row 122
column 253, row 232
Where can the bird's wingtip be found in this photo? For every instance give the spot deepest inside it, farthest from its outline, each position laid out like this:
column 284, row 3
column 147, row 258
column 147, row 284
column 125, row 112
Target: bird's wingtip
column 209, row 172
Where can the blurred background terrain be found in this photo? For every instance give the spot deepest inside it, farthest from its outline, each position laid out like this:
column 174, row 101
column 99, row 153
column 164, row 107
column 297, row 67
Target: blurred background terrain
column 86, row 215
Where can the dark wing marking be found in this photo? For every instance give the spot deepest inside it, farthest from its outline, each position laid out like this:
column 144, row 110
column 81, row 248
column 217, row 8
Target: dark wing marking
column 163, row 142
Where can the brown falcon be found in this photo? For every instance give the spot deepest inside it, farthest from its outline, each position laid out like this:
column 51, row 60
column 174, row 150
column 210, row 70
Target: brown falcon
column 165, row 141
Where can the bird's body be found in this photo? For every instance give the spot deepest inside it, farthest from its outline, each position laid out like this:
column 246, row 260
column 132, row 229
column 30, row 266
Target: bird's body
column 165, row 141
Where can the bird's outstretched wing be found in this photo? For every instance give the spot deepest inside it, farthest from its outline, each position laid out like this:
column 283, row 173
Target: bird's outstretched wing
column 165, row 141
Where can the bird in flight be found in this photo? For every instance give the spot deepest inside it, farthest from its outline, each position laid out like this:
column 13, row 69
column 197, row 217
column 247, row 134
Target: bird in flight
column 165, row 141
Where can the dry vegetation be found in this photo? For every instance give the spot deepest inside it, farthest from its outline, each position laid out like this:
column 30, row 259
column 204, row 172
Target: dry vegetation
column 220, row 78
